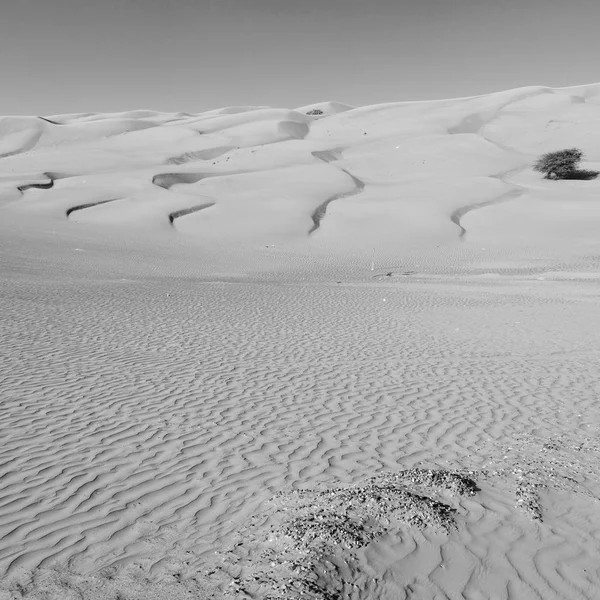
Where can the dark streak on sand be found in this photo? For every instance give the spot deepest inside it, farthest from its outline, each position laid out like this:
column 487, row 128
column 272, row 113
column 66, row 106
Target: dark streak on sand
column 188, row 211
column 459, row 213
column 36, row 186
column 52, row 178
column 318, row 215
column 50, row 121
column 89, row 205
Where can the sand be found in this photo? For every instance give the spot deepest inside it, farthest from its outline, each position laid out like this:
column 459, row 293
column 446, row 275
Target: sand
column 260, row 353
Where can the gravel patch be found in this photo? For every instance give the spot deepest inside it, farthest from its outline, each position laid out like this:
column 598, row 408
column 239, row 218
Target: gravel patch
column 303, row 544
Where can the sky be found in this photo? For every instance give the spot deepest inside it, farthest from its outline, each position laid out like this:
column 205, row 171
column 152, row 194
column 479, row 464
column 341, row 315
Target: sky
column 61, row 56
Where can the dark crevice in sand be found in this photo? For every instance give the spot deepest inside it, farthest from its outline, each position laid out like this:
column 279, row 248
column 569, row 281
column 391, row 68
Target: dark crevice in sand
column 36, row 186
column 459, row 213
column 50, row 121
column 318, row 215
column 89, row 205
column 188, row 211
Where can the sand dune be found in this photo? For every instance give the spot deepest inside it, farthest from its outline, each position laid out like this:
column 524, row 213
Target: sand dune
column 19, row 134
column 323, row 352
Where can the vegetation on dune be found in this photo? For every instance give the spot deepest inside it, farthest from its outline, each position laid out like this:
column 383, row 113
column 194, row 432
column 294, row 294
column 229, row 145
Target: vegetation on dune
column 563, row 164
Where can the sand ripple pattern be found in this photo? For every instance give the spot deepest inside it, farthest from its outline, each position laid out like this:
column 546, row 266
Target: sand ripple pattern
column 144, row 423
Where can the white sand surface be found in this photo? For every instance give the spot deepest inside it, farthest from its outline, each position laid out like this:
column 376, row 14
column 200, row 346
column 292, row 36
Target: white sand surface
column 249, row 353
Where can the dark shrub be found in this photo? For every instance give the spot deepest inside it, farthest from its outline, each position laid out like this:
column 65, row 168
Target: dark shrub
column 563, row 164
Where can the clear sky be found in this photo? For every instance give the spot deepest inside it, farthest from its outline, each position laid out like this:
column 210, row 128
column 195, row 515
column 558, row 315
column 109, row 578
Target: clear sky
column 193, row 55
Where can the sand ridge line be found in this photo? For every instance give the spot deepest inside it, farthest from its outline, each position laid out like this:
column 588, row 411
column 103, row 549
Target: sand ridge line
column 73, row 209
column 168, row 180
column 319, row 213
column 475, row 124
column 50, row 121
column 188, row 211
column 460, row 212
column 37, row 186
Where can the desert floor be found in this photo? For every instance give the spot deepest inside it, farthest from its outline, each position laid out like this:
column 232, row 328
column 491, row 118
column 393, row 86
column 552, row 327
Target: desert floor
column 260, row 353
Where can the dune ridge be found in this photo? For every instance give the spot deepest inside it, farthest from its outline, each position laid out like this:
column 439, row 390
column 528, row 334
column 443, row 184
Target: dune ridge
column 73, row 209
column 318, row 215
column 188, row 211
